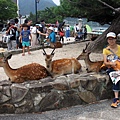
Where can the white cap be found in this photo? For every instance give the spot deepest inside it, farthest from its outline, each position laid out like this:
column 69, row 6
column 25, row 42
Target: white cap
column 111, row 34
column 51, row 28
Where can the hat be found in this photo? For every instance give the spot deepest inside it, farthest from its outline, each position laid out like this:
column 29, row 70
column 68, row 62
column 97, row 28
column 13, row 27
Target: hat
column 12, row 21
column 50, row 28
column 111, row 34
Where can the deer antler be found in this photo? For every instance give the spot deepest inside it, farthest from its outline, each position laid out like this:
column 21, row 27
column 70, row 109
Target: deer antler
column 85, row 49
column 44, row 50
column 53, row 51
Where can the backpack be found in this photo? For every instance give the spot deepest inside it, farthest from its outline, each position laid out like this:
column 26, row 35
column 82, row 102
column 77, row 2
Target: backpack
column 61, row 33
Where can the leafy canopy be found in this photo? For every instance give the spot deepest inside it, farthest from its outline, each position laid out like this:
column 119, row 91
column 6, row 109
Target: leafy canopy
column 93, row 10
column 8, row 9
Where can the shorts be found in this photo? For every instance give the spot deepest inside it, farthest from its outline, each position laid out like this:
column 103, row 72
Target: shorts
column 17, row 40
column 25, row 43
column 116, row 87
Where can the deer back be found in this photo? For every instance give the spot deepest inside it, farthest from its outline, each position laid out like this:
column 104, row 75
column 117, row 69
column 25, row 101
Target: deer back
column 66, row 65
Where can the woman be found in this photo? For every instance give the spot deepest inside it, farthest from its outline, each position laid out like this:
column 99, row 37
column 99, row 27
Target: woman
column 11, row 31
column 67, row 32
column 112, row 51
column 34, row 32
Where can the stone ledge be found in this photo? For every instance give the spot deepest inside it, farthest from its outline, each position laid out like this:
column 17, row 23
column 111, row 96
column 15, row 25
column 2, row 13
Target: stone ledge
column 49, row 94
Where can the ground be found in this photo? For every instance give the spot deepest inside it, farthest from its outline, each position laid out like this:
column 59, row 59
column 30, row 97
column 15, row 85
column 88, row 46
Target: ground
column 68, row 51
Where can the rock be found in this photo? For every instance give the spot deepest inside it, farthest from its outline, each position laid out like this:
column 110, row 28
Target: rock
column 18, row 92
column 7, row 108
column 87, row 96
column 49, row 94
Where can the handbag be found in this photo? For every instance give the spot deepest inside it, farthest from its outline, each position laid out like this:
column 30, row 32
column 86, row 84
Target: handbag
column 6, row 39
column 111, row 58
column 61, row 33
column 114, row 58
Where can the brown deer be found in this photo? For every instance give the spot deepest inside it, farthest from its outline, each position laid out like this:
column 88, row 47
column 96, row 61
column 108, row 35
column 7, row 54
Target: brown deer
column 33, row 71
column 92, row 66
column 61, row 66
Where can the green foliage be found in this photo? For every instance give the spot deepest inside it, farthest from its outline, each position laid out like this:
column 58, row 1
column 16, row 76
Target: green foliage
column 93, row 10
column 50, row 15
column 8, row 9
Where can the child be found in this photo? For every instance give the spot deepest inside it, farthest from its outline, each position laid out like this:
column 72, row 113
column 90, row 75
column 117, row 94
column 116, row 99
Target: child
column 24, row 37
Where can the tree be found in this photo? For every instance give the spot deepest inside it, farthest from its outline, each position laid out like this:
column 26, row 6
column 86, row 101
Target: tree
column 8, row 9
column 104, row 12
column 50, row 15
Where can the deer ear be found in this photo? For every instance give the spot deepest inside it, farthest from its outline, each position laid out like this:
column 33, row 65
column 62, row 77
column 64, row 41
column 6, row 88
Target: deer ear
column 84, row 51
column 9, row 56
column 44, row 53
column 88, row 52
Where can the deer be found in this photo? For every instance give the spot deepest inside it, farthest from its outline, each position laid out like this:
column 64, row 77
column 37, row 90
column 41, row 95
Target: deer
column 62, row 66
column 91, row 66
column 32, row 71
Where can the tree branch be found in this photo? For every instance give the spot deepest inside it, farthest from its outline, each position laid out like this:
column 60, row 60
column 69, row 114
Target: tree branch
column 116, row 10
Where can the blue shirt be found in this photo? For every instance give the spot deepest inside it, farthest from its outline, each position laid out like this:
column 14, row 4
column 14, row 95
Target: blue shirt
column 25, row 35
column 52, row 37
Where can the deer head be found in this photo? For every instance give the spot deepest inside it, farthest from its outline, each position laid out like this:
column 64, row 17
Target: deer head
column 84, row 53
column 48, row 58
column 4, row 59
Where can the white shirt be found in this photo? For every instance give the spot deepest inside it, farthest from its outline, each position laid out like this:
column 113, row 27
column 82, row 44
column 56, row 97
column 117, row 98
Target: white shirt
column 34, row 30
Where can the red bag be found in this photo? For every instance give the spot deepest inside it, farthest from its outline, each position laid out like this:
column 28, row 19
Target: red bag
column 61, row 33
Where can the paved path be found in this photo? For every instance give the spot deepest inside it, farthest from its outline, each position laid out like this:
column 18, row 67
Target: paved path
column 96, row 111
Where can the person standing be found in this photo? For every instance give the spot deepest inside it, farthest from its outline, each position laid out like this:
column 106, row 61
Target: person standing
column 84, row 32
column 112, row 51
column 11, row 31
column 17, row 33
column 67, row 32
column 34, row 33
column 61, row 33
column 42, row 30
column 24, row 38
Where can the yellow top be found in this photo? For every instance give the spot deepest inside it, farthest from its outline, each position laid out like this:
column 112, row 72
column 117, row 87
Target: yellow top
column 107, row 52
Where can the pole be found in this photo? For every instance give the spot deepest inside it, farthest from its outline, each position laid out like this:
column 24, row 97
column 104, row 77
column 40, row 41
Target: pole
column 36, row 10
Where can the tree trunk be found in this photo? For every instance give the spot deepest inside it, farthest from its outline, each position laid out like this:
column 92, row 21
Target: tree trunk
column 101, row 42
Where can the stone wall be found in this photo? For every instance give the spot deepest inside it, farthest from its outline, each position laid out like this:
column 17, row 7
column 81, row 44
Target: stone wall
column 49, row 94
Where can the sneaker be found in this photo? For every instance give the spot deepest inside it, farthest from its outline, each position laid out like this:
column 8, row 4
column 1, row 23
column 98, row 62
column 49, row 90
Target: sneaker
column 115, row 103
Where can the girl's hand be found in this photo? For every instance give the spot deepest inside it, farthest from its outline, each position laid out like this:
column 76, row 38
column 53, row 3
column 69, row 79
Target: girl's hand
column 113, row 64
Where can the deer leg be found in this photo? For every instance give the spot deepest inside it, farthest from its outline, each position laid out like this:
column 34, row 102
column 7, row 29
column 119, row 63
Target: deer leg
column 18, row 80
column 73, row 70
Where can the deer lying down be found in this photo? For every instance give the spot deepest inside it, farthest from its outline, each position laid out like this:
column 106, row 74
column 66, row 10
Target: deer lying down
column 90, row 65
column 61, row 66
column 33, row 71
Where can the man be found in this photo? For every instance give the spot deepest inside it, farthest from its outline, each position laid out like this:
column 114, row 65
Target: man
column 41, row 28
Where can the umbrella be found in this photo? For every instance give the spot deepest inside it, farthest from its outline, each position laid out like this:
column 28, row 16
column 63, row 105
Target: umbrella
column 89, row 29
